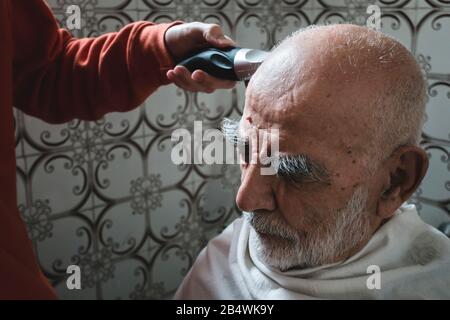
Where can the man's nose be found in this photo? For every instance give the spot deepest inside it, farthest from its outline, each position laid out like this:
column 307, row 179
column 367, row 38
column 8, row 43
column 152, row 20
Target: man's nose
column 255, row 192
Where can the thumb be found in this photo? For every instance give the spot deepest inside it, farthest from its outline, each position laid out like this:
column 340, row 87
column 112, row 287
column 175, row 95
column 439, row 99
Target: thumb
column 214, row 36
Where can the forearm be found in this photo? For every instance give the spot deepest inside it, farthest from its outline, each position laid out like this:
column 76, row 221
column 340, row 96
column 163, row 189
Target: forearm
column 85, row 78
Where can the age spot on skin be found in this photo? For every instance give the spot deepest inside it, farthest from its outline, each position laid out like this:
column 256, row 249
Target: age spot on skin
column 354, row 161
column 249, row 119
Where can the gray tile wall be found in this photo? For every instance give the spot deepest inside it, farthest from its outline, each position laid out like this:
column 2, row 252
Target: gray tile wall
column 105, row 194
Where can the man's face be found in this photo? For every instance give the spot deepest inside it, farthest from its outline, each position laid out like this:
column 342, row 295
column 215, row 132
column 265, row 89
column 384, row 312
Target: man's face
column 319, row 207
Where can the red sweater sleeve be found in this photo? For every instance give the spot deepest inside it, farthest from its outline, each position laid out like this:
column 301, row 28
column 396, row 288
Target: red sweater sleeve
column 58, row 78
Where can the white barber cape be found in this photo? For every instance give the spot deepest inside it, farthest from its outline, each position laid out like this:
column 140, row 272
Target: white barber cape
column 413, row 258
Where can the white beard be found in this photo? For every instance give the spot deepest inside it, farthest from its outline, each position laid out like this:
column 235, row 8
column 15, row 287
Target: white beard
column 282, row 247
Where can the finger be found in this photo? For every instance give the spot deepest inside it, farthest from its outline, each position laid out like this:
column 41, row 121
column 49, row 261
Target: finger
column 215, row 36
column 182, row 84
column 170, row 75
column 179, row 83
column 207, row 80
column 230, row 40
column 183, row 78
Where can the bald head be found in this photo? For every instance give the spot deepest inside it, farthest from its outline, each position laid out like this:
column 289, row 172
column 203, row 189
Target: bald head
column 362, row 78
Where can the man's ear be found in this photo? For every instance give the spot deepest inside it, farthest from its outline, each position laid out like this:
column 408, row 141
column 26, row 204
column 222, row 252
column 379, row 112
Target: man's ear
column 406, row 168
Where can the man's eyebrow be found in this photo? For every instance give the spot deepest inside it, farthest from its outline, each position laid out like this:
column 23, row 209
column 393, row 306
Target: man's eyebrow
column 302, row 167
column 290, row 166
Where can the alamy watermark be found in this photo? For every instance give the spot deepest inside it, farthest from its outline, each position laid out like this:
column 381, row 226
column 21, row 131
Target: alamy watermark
column 73, row 17
column 374, row 280
column 73, row 282
column 261, row 146
column 374, row 20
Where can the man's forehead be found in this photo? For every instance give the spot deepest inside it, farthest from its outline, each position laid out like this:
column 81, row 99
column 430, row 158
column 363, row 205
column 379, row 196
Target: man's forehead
column 315, row 104
column 292, row 115
column 307, row 126
column 289, row 141
column 275, row 107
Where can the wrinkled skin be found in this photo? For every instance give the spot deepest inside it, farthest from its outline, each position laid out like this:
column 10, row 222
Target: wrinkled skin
column 321, row 108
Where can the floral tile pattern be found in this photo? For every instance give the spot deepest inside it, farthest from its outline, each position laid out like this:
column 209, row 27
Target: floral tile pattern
column 105, row 195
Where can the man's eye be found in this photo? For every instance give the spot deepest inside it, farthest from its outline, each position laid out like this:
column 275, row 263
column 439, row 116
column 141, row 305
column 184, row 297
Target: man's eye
column 289, row 177
column 296, row 178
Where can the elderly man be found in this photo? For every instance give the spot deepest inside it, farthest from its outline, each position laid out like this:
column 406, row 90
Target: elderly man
column 332, row 223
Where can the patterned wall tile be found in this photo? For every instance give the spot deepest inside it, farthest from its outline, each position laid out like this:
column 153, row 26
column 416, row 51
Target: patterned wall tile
column 105, row 194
